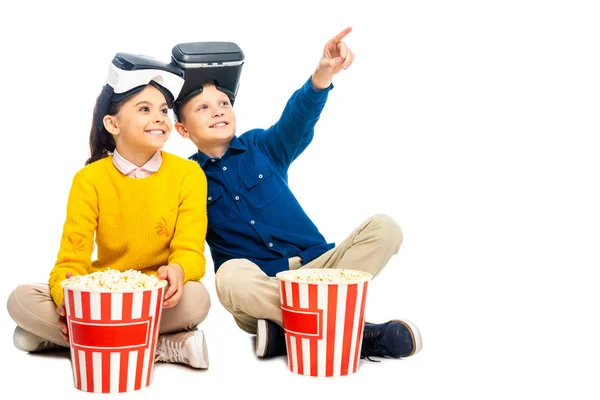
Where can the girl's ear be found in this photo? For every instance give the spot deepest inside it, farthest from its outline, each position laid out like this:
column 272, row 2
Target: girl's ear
column 182, row 131
column 110, row 124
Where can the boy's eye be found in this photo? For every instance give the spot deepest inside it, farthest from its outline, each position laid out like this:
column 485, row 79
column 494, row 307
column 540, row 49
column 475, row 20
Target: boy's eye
column 203, row 107
column 224, row 103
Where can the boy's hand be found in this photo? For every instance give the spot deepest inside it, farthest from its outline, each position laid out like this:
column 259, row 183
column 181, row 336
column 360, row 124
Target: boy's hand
column 173, row 273
column 336, row 56
column 62, row 317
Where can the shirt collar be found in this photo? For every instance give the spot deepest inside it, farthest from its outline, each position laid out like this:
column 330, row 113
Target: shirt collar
column 126, row 167
column 235, row 145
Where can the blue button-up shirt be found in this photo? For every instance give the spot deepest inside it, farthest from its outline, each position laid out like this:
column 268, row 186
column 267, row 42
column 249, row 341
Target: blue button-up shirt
column 252, row 212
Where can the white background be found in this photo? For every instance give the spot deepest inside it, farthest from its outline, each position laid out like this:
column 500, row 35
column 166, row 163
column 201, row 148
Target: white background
column 473, row 123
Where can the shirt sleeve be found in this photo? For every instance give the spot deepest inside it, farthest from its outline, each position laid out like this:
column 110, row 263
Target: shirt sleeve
column 287, row 139
column 187, row 245
column 77, row 241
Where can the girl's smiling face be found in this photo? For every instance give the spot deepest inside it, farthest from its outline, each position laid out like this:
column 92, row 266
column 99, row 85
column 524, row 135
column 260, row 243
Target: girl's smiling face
column 142, row 125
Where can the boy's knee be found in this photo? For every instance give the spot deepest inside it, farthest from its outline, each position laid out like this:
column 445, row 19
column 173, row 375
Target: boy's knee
column 230, row 276
column 225, row 282
column 390, row 231
column 234, row 282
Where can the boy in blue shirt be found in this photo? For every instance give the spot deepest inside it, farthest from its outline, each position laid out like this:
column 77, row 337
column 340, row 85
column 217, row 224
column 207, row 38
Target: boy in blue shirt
column 257, row 228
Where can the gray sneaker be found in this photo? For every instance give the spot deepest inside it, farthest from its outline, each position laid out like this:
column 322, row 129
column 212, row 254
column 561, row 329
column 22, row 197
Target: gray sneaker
column 183, row 348
column 27, row 341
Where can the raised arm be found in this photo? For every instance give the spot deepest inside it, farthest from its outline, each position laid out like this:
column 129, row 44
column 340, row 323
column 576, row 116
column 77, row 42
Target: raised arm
column 287, row 139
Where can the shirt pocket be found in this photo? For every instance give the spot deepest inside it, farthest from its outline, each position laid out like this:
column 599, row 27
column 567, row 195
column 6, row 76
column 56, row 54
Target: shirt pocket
column 216, row 206
column 263, row 184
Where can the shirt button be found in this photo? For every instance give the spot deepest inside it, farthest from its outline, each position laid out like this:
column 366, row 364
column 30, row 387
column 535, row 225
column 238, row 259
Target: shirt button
column 209, row 198
column 224, row 168
column 252, row 222
column 260, row 176
column 270, row 244
column 237, row 197
column 212, row 160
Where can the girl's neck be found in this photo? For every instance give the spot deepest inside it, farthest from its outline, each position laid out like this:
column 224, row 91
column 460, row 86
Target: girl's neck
column 138, row 158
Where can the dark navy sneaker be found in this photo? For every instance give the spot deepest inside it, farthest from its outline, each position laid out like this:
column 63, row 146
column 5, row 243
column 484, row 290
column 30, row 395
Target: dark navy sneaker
column 270, row 339
column 394, row 339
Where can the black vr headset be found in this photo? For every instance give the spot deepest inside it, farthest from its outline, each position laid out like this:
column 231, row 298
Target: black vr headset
column 220, row 62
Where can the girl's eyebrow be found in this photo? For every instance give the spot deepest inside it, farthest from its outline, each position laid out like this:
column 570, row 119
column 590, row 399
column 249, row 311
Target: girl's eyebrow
column 147, row 102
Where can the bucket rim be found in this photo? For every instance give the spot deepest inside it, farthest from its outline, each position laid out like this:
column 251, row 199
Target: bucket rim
column 162, row 284
column 286, row 276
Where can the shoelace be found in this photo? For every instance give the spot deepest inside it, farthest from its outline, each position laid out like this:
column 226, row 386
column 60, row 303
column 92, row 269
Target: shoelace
column 371, row 347
column 170, row 351
column 47, row 345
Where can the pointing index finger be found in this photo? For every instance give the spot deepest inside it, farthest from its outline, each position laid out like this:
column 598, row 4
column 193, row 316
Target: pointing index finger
column 338, row 38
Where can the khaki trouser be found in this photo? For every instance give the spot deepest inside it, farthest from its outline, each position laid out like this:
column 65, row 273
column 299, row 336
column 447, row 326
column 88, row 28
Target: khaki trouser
column 33, row 309
column 249, row 294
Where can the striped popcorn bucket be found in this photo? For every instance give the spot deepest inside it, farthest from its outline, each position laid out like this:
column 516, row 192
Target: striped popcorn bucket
column 323, row 321
column 112, row 336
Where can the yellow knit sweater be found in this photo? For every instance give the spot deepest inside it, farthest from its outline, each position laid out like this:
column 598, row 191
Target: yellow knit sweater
column 139, row 224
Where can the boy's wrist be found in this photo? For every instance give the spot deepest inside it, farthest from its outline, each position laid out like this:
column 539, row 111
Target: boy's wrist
column 321, row 79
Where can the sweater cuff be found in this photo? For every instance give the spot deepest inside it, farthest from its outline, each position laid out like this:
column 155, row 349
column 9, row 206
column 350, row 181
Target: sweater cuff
column 57, row 293
column 189, row 273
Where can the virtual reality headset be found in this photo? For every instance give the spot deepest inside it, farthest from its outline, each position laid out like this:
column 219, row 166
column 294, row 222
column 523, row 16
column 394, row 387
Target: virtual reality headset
column 128, row 74
column 128, row 71
column 220, row 62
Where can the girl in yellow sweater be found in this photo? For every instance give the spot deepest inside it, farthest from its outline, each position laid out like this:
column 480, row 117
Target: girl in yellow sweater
column 144, row 208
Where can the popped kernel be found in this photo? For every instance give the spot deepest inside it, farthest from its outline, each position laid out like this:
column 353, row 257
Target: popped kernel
column 328, row 275
column 113, row 280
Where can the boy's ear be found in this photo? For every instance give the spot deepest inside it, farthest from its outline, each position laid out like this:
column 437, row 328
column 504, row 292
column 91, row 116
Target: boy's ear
column 110, row 124
column 182, row 131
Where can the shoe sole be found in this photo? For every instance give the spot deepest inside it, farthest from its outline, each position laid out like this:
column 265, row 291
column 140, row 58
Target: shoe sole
column 262, row 333
column 415, row 334
column 200, row 342
column 16, row 335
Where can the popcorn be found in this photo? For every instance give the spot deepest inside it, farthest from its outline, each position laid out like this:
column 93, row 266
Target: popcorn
column 113, row 280
column 328, row 275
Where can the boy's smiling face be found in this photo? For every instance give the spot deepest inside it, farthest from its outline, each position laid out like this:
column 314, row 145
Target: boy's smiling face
column 207, row 119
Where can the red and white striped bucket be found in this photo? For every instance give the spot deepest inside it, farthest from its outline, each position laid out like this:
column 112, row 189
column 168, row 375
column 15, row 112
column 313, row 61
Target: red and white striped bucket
column 323, row 322
column 113, row 337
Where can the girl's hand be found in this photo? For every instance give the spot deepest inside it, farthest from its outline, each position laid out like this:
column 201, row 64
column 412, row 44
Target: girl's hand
column 62, row 317
column 173, row 273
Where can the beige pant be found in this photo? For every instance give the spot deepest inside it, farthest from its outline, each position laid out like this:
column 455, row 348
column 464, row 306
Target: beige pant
column 33, row 309
column 249, row 294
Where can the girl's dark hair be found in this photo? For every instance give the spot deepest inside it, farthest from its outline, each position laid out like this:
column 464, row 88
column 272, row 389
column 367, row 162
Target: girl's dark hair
column 102, row 143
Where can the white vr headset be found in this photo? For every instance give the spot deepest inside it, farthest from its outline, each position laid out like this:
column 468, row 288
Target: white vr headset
column 128, row 71
column 131, row 73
